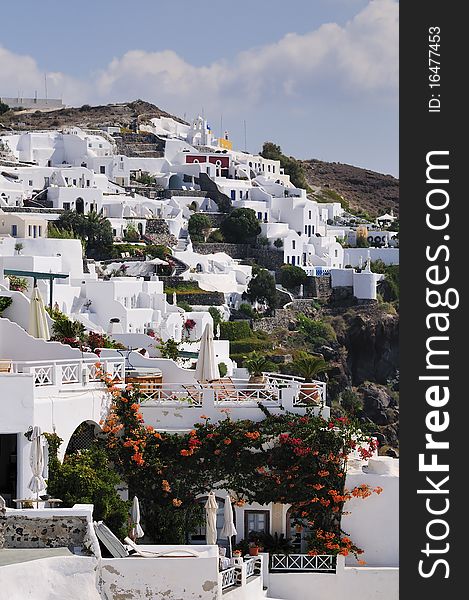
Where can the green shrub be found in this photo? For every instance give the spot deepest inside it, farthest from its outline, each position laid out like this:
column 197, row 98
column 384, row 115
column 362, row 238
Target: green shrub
column 316, row 329
column 216, row 237
column 5, row 302
column 240, row 226
column 247, row 309
column 184, row 305
column 86, row 478
column 216, row 316
column 199, row 226
column 235, row 330
column 222, row 369
column 249, row 345
column 278, row 243
column 292, row 276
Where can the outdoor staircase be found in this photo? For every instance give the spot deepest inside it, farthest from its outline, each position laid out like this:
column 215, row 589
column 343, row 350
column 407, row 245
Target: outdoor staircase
column 180, row 267
column 183, row 241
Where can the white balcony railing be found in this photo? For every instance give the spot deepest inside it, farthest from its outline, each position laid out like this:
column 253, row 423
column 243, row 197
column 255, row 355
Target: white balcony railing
column 72, row 373
column 302, row 562
column 250, row 567
column 228, row 578
column 171, row 393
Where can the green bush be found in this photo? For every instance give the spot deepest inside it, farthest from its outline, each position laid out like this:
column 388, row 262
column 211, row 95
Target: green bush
column 86, row 478
column 222, row 369
column 278, row 243
column 240, row 226
column 199, row 226
column 184, row 305
column 292, row 276
column 216, row 316
column 313, row 329
column 247, row 309
column 235, row 330
column 250, row 344
column 5, row 302
column 216, row 237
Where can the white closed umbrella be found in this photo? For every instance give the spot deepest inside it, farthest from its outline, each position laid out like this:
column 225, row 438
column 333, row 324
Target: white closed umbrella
column 36, row 460
column 229, row 529
column 207, row 368
column 137, row 531
column 211, row 507
column 175, row 299
column 38, row 326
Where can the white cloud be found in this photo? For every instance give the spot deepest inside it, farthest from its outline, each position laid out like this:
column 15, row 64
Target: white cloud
column 360, row 57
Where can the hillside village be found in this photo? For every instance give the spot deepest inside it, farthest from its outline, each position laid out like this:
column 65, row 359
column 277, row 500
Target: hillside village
column 145, row 262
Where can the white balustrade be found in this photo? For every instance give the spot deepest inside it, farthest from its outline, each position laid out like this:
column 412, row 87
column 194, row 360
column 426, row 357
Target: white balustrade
column 302, row 562
column 228, row 578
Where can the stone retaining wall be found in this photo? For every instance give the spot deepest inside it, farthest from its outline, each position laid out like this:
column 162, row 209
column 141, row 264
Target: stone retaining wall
column 20, row 531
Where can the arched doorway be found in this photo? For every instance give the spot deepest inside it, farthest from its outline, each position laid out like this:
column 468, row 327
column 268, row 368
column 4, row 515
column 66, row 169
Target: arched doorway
column 80, row 206
column 83, row 437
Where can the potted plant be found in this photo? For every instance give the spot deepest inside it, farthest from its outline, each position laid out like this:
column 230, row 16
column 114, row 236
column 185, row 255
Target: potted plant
column 253, row 549
column 255, row 363
column 309, row 366
column 236, row 553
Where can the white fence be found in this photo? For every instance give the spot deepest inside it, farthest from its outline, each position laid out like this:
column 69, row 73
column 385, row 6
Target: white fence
column 71, row 372
column 228, row 578
column 302, row 563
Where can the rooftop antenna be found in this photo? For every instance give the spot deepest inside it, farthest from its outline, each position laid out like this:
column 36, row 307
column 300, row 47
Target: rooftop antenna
column 45, row 84
column 221, row 126
column 245, row 138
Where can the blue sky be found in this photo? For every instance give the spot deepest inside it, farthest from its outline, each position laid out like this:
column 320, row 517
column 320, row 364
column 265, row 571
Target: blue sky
column 319, row 77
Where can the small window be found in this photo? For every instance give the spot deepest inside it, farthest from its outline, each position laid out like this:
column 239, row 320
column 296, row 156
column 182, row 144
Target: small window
column 66, row 205
column 34, row 230
column 256, row 521
column 14, row 230
column 30, row 230
column 259, row 215
column 30, row 182
column 88, row 183
column 74, row 182
column 293, row 244
column 102, row 170
column 310, row 214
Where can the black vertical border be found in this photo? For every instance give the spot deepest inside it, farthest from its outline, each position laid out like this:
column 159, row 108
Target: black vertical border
column 420, row 133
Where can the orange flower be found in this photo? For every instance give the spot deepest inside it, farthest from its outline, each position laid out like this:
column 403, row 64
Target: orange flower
column 254, row 435
column 361, row 562
column 204, row 417
column 177, row 502
column 165, row 486
column 184, row 452
column 323, row 473
column 227, row 441
column 317, row 486
column 217, row 451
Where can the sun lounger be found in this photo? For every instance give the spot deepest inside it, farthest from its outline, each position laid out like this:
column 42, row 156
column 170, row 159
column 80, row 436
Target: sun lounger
column 118, row 550
column 176, row 553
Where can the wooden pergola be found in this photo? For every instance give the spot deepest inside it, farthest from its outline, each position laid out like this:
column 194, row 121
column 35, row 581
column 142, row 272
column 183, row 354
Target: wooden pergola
column 38, row 275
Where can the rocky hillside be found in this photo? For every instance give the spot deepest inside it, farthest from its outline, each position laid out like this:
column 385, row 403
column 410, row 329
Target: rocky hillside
column 360, row 190
column 86, row 116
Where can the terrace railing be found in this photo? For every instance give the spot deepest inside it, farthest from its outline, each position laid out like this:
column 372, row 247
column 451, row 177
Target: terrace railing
column 81, row 372
column 228, row 578
column 290, row 563
column 171, row 393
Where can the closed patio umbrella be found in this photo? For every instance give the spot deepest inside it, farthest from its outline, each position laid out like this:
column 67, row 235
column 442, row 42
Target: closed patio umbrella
column 38, row 326
column 229, row 530
column 207, row 368
column 137, row 531
column 36, row 460
column 211, row 507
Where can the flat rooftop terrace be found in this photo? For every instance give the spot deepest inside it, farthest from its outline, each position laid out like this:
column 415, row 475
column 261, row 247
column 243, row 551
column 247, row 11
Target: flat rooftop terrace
column 12, row 556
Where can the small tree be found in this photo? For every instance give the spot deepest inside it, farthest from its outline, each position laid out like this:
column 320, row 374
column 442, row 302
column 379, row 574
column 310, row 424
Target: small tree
column 292, row 276
column 240, row 226
column 3, row 108
column 309, row 366
column 199, row 226
column 262, row 288
column 18, row 247
column 278, row 243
